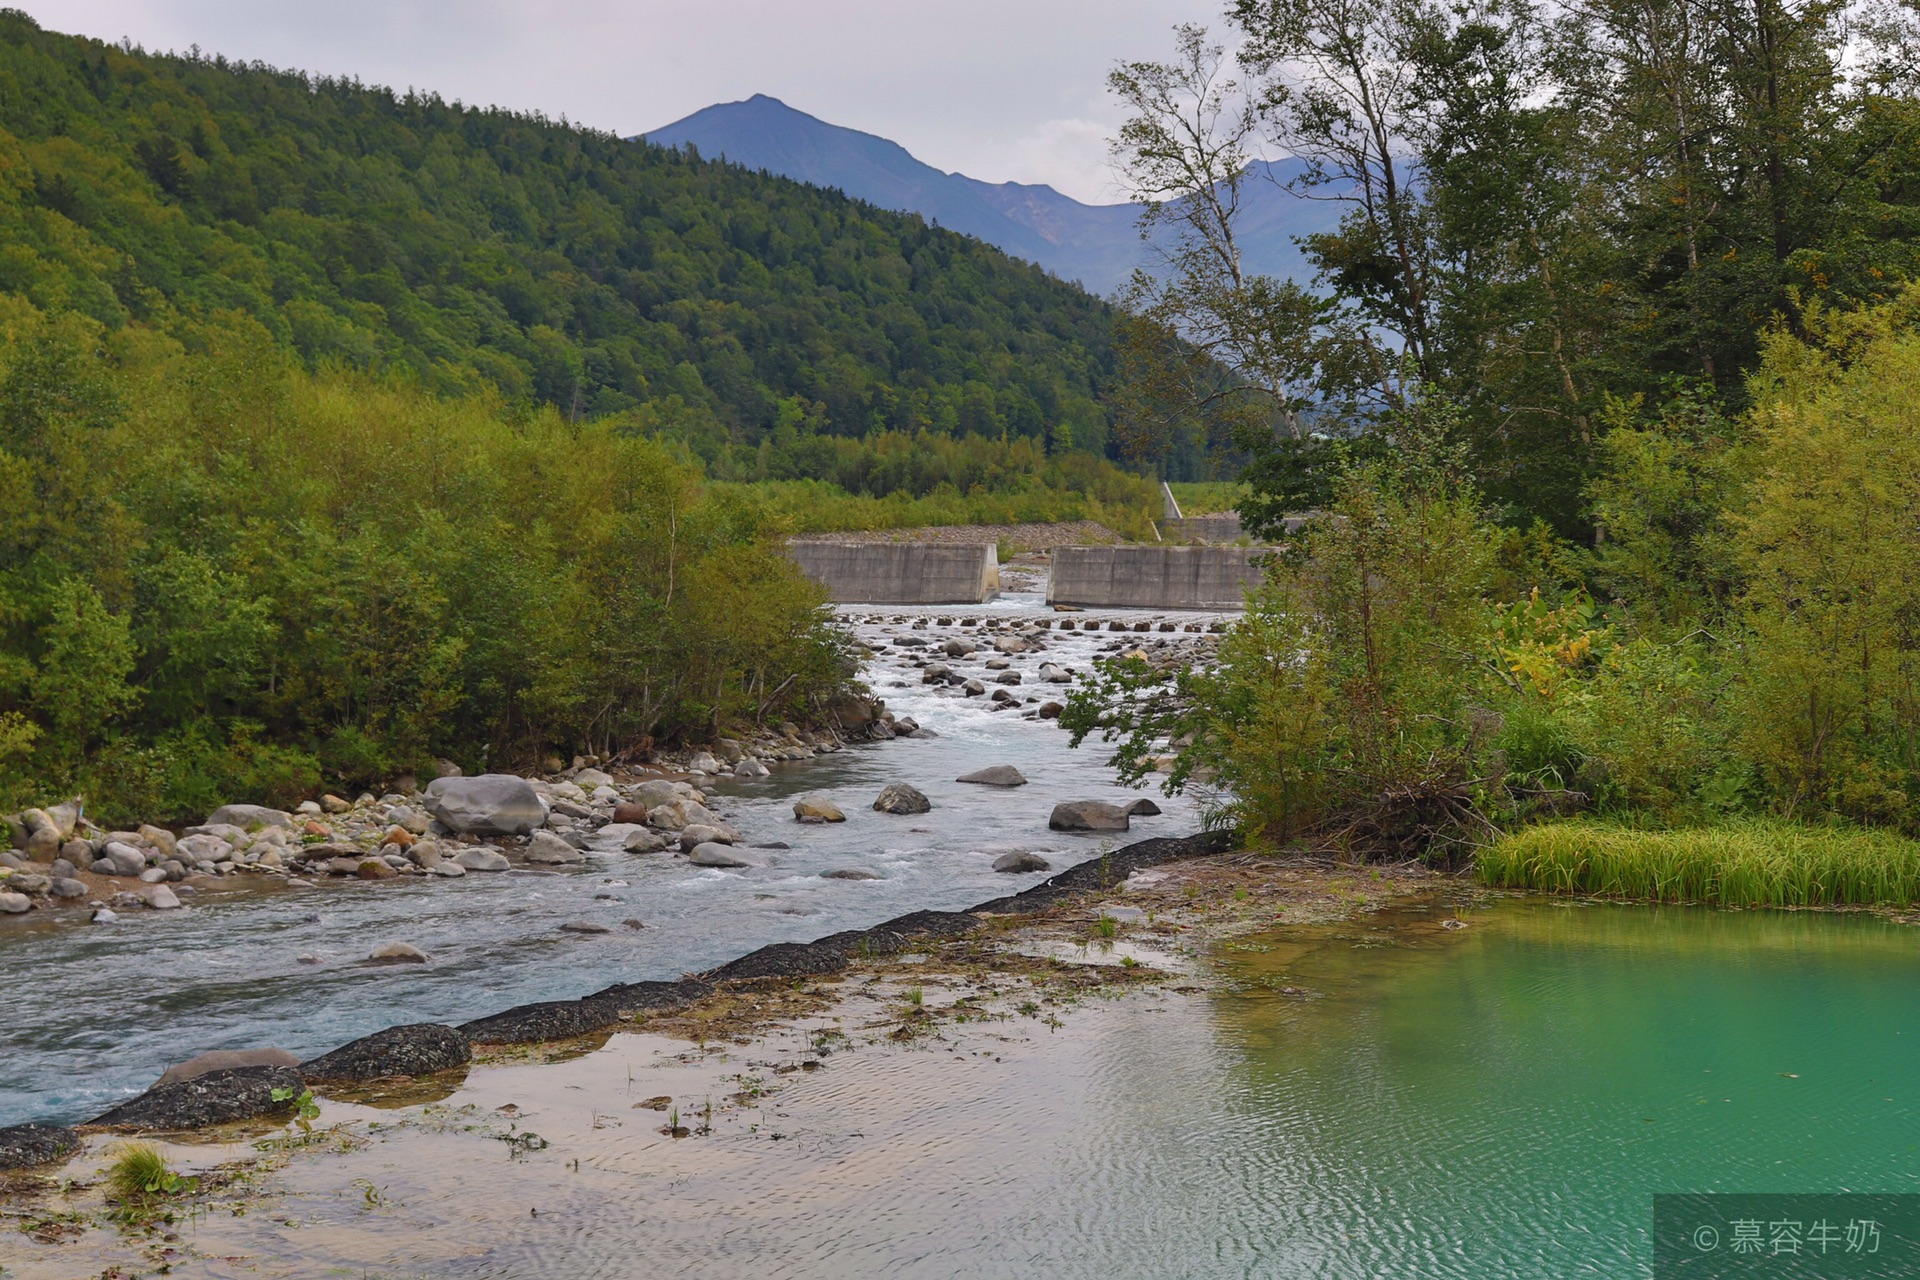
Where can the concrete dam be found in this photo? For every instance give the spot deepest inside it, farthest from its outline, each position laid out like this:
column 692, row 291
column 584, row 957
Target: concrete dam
column 1144, row 577
column 901, row 572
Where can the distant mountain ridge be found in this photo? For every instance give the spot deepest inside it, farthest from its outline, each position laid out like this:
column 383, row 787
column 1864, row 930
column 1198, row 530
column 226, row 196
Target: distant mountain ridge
column 1098, row 245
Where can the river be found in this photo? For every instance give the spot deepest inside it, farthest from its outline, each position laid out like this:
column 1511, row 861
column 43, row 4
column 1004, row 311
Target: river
column 94, row 1013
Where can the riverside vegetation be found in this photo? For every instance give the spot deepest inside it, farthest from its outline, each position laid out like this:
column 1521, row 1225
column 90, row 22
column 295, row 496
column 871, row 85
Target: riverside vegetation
column 345, row 430
column 1727, row 680
column 1607, row 397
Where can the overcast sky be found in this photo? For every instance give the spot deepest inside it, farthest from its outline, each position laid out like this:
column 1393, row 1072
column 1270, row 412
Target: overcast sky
column 999, row 89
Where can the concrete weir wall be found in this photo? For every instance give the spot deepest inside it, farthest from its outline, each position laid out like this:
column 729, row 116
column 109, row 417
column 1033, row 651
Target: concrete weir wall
column 901, row 572
column 1152, row 577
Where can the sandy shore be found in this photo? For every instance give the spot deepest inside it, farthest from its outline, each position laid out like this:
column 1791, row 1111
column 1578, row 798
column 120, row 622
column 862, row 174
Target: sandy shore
column 900, row 1117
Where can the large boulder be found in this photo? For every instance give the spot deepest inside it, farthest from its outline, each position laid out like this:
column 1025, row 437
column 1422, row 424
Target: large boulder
column 14, row 904
column 417, row 1049
column 490, row 804
column 751, row 769
column 1088, row 815
column 239, row 1093
column 898, row 797
column 1020, row 863
column 481, row 860
column 997, row 775
column 248, row 817
column 817, row 808
column 23, row 1146
column 226, row 1060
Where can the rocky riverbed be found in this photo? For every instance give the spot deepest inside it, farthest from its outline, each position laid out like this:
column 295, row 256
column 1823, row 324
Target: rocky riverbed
column 628, row 875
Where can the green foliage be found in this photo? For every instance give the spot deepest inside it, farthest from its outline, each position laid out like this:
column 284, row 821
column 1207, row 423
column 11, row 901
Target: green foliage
column 1831, row 683
column 1352, row 673
column 1750, row 863
column 480, row 248
column 343, row 575
column 305, row 1109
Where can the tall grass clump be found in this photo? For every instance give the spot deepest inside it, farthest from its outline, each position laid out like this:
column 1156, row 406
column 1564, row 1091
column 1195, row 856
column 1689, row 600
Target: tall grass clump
column 140, row 1173
column 1746, row 863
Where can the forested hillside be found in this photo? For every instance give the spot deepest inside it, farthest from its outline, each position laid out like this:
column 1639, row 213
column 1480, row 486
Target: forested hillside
column 481, row 248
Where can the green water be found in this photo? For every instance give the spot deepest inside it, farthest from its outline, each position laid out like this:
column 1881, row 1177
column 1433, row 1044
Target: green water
column 1504, row 1099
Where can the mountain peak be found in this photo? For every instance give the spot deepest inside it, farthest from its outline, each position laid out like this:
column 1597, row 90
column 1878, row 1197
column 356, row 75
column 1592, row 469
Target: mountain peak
column 1098, row 245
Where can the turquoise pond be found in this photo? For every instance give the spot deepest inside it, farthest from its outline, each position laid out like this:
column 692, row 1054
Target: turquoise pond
column 1504, row 1099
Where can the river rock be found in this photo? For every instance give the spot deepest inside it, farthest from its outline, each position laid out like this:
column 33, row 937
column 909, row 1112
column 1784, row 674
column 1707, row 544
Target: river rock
column 703, row 834
column 126, row 860
column 161, row 898
column 1143, row 808
column 995, row 775
column 334, row 804
column 1010, row 644
column 490, row 804
column 416, row 1049
column 959, row 647
column 32, row 883
column 43, row 844
column 481, row 860
column 375, row 869
column 627, row 837
column 14, row 904
column 706, row 762
column 936, row 673
column 65, row 819
column 720, row 855
column 681, row 813
column 1052, row 674
column 426, row 854
column 898, row 797
column 159, row 838
column 751, row 769
column 447, row 869
column 153, row 875
column 248, row 817
column 817, row 808
column 1051, row 710
column 398, row 953
column 850, row 873
column 1088, row 815
column 548, row 849
column 627, row 813
column 25, row 1146
column 218, row 1097
column 974, row 688
column 583, row 926
column 64, row 887
column 588, row 779
column 226, row 1060
column 202, row 847
column 660, row 791
column 1019, row 863
column 1007, row 678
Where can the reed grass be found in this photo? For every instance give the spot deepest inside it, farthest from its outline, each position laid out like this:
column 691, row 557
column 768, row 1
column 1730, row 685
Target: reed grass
column 1750, row 863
